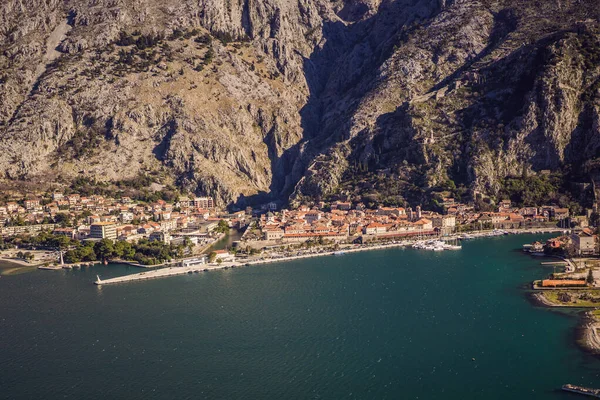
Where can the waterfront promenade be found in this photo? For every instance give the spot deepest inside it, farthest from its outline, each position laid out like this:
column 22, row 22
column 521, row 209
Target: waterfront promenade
column 174, row 271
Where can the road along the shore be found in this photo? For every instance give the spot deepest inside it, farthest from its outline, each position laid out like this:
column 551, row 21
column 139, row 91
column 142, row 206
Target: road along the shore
column 173, row 271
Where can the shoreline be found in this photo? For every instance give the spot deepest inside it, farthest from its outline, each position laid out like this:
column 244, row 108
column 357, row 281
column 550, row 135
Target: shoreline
column 19, row 263
column 588, row 329
column 351, row 249
column 174, row 271
column 405, row 243
column 589, row 333
column 540, row 300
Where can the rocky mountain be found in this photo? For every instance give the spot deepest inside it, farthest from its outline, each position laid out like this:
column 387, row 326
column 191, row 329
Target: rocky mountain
column 250, row 100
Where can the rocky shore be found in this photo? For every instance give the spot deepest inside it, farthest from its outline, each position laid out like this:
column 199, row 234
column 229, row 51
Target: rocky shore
column 589, row 334
column 588, row 331
column 541, row 300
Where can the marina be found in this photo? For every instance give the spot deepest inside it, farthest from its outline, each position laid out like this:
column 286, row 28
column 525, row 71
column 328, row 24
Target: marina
column 436, row 245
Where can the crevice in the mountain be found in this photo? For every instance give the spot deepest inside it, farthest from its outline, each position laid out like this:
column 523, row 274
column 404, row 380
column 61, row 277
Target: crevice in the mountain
column 246, row 20
column 165, row 133
column 371, row 40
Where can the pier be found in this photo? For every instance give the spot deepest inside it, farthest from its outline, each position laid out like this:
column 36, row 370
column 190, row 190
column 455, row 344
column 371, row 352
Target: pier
column 174, row 271
column 163, row 273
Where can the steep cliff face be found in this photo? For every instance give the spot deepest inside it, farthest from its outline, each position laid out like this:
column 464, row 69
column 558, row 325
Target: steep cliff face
column 477, row 93
column 217, row 114
column 289, row 99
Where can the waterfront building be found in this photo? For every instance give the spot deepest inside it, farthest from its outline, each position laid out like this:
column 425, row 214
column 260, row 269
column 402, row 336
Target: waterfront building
column 445, row 222
column 375, row 228
column 562, row 283
column 424, row 224
column 273, row 234
column 190, row 262
column 584, row 243
column 224, row 255
column 103, row 230
column 579, row 221
column 560, row 213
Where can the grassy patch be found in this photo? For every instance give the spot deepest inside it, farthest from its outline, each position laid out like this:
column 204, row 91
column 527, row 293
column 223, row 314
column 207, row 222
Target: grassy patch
column 573, row 298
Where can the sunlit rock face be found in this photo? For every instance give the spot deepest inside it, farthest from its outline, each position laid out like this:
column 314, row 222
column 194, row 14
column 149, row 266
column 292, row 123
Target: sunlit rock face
column 288, row 100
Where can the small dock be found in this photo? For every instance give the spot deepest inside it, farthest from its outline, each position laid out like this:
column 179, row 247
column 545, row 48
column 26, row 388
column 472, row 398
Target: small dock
column 50, row 267
column 581, row 390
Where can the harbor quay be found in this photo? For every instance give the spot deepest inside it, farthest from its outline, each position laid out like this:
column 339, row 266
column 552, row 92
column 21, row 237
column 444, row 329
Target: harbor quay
column 174, row 271
column 236, row 263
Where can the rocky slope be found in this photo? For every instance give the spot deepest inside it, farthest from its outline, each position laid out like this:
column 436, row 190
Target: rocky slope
column 281, row 99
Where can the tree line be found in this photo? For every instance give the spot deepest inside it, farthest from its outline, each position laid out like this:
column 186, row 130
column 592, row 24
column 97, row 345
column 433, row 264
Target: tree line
column 143, row 251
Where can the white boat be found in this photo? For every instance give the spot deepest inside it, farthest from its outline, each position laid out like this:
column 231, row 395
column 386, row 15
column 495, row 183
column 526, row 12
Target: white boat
column 453, row 247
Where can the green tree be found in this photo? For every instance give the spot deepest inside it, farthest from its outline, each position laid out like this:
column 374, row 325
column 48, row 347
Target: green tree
column 590, row 277
column 104, row 249
column 123, row 249
column 87, row 253
column 63, row 219
column 212, row 257
column 222, row 227
column 128, row 251
column 62, row 241
column 72, row 256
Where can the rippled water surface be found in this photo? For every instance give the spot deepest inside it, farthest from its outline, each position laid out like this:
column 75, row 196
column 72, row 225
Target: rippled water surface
column 375, row 325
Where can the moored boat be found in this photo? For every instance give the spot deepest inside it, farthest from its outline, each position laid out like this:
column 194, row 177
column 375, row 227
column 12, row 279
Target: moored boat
column 581, row 390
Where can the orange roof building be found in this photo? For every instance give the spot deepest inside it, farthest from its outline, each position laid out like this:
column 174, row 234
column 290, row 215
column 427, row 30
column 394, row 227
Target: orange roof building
column 562, row 282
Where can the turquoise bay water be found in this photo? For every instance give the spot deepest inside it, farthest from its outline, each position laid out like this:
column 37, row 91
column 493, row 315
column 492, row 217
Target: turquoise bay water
column 386, row 324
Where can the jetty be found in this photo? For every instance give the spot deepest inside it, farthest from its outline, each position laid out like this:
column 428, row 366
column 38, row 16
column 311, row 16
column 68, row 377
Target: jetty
column 162, row 273
column 581, row 390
